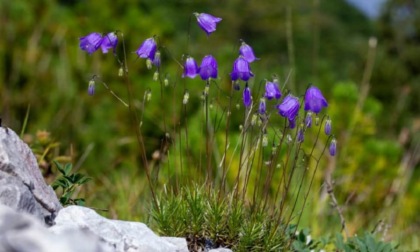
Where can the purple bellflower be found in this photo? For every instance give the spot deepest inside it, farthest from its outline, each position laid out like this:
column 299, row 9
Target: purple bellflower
column 208, row 68
column 262, row 108
column 190, row 68
column 289, row 109
column 314, row 100
column 207, row 22
column 272, row 90
column 333, row 147
column 109, row 41
column 247, row 97
column 246, row 51
column 241, row 70
column 147, row 49
column 327, row 127
column 90, row 43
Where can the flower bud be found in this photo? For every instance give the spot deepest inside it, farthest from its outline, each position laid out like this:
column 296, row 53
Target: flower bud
column 186, row 98
column 156, row 76
column 149, row 64
column 120, row 72
column 333, row 147
column 327, row 127
column 264, row 141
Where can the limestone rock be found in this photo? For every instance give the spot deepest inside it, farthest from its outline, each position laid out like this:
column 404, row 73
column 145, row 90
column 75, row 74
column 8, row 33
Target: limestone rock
column 23, row 187
column 22, row 232
column 123, row 236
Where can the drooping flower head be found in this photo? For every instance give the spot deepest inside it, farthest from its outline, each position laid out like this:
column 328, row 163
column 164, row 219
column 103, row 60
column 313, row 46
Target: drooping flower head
column 272, row 90
column 241, row 70
column 246, row 51
column 147, row 49
column 91, row 42
column 314, row 100
column 208, row 68
column 327, row 127
column 207, row 22
column 109, row 41
column 190, row 68
column 289, row 109
column 333, row 147
column 247, row 97
column 262, row 108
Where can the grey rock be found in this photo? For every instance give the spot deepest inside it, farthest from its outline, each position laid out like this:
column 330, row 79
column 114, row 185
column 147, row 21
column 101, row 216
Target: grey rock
column 18, row 167
column 120, row 235
column 220, row 250
column 24, row 233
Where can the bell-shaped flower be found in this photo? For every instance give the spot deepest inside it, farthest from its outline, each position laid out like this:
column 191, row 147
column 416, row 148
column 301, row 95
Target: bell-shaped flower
column 90, row 43
column 246, row 51
column 190, row 68
column 327, row 127
column 333, row 147
column 208, row 68
column 147, row 49
column 262, row 108
column 109, row 41
column 272, row 90
column 289, row 109
column 247, row 97
column 207, row 22
column 241, row 70
column 314, row 100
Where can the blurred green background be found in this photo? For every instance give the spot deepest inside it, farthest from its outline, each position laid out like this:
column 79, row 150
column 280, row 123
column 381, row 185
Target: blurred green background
column 375, row 117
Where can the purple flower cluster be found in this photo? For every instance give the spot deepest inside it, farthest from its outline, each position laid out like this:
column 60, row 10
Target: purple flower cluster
column 207, row 69
column 93, row 41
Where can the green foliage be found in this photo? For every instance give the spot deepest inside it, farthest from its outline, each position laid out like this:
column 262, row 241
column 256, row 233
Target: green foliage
column 365, row 243
column 69, row 182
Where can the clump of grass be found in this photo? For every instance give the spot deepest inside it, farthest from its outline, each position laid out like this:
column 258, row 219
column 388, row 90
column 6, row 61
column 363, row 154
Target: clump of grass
column 209, row 222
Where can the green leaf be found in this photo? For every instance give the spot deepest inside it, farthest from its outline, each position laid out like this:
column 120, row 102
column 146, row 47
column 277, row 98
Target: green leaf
column 67, row 168
column 79, row 202
column 84, row 180
column 60, row 167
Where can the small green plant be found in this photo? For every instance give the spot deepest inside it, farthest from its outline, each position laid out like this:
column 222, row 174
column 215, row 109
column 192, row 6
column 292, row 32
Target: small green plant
column 69, row 182
column 366, row 243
